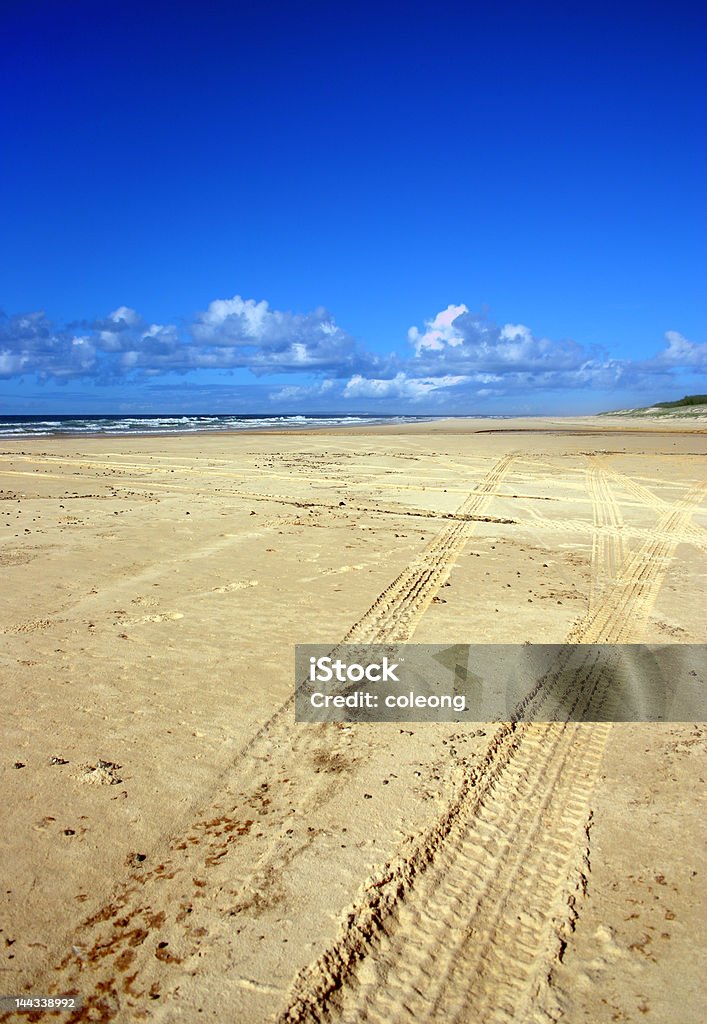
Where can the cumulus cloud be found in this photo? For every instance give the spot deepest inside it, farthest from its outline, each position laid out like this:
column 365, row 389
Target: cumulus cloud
column 243, row 332
column 460, row 354
column 455, row 356
column 233, row 321
column 299, row 391
column 683, row 353
column 31, row 344
column 465, row 351
column 399, row 386
column 230, row 334
column 470, row 342
column 457, row 341
column 439, row 331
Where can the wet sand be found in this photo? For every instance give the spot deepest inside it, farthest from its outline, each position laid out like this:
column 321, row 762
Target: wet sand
column 175, row 847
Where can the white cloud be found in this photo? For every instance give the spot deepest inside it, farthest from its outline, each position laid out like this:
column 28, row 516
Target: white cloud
column 298, row 391
column 515, row 362
column 270, row 340
column 681, row 352
column 11, row 363
column 456, row 356
column 125, row 315
column 458, row 339
column 30, row 343
column 231, row 334
column 515, row 332
column 399, row 386
column 233, row 321
column 440, row 331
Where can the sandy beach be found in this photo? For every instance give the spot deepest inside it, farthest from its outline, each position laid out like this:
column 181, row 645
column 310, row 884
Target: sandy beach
column 176, row 848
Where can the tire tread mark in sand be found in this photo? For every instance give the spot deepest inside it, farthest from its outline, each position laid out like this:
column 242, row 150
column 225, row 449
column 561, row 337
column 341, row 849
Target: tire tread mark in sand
column 393, row 617
column 395, row 614
column 495, row 952
column 471, row 915
column 511, row 927
column 626, row 607
column 111, row 933
column 539, row 522
column 694, row 534
column 608, row 549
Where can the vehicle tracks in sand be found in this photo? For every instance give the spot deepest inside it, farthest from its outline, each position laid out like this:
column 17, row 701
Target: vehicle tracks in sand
column 623, row 613
column 693, row 533
column 117, row 959
column 468, row 923
column 608, row 546
column 394, row 615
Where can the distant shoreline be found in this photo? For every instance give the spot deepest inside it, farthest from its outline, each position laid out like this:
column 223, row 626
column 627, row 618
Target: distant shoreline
column 165, row 425
column 578, row 426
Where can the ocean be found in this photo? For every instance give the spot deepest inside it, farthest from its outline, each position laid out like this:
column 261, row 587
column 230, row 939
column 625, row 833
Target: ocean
column 71, row 426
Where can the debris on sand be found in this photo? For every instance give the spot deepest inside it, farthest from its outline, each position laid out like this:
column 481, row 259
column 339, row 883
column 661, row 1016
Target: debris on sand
column 103, row 773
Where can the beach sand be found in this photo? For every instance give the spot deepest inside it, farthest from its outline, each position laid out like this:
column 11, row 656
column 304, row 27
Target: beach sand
column 176, row 848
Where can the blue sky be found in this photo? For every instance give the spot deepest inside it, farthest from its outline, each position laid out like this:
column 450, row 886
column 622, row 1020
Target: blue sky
column 431, row 207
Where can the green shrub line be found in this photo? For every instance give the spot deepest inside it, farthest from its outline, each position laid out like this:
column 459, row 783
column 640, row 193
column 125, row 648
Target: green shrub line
column 687, row 400
column 681, row 403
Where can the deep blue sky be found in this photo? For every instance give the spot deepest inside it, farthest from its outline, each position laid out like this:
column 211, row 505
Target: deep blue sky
column 541, row 164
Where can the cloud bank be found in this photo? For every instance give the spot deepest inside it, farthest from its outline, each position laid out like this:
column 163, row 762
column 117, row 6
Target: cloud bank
column 231, row 334
column 457, row 356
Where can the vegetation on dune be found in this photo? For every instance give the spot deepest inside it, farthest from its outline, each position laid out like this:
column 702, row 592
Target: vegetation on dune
column 690, row 405
column 687, row 400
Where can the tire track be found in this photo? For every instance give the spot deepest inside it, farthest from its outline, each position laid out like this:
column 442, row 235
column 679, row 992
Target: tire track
column 494, row 952
column 694, row 534
column 578, row 526
column 469, row 920
column 643, row 494
column 502, row 866
column 394, row 615
column 608, row 547
column 625, row 610
column 115, row 954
